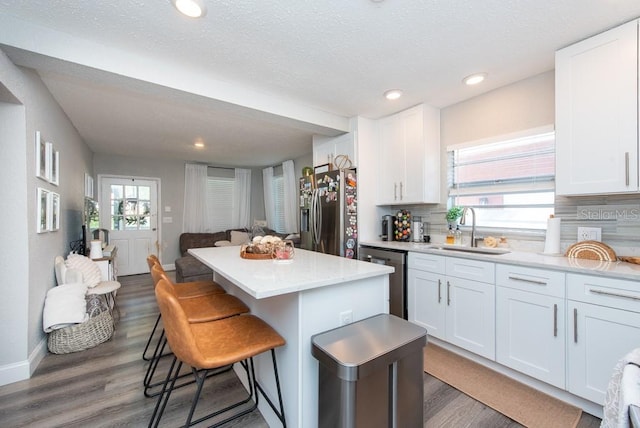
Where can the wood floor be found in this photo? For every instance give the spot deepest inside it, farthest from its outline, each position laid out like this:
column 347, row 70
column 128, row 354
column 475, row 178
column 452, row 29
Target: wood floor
column 102, row 387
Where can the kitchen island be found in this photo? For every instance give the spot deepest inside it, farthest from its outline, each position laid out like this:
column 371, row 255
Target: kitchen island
column 310, row 294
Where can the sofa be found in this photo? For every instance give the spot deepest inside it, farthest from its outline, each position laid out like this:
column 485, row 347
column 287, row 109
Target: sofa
column 188, row 268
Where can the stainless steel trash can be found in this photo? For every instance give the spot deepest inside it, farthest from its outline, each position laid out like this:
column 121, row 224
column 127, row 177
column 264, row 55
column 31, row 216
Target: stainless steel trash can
column 371, row 374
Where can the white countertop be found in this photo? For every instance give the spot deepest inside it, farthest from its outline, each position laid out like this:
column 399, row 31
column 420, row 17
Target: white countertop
column 266, row 278
column 618, row 269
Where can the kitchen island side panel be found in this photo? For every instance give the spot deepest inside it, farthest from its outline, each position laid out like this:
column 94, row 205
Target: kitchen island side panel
column 297, row 317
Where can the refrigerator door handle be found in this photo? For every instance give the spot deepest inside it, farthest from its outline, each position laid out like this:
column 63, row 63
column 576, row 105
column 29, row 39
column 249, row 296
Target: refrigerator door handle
column 317, row 217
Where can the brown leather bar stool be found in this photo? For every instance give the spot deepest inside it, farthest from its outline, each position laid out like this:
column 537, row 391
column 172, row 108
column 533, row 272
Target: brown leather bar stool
column 198, row 309
column 210, row 346
column 192, row 289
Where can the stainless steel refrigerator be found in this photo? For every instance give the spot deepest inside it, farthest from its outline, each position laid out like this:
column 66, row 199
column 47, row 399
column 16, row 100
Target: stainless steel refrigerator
column 328, row 213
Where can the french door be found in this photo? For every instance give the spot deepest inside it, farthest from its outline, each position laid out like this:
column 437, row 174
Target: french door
column 128, row 210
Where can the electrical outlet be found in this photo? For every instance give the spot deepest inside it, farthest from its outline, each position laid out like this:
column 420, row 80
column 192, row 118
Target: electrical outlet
column 346, row 317
column 589, row 234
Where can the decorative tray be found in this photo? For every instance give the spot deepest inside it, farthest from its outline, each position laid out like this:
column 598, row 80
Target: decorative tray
column 254, row 256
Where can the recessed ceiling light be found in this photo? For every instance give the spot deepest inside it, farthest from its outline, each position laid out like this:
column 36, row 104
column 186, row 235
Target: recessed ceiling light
column 393, row 94
column 474, row 79
column 199, row 144
column 190, row 8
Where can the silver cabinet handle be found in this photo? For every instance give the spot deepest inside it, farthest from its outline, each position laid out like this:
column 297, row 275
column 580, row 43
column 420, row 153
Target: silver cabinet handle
column 626, row 167
column 555, row 320
column 531, row 281
column 439, row 294
column 448, row 293
column 395, row 191
column 609, row 293
column 401, row 190
column 575, row 325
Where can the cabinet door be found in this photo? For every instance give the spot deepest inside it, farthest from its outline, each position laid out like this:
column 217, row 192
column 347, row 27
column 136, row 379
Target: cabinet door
column 326, row 149
column 530, row 334
column 597, row 114
column 470, row 316
column 426, row 301
column 391, row 163
column 598, row 338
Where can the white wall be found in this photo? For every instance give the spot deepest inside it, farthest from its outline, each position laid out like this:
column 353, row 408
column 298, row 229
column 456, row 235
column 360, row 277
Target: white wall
column 28, row 269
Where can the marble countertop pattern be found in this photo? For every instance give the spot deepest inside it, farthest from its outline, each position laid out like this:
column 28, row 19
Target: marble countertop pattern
column 267, row 278
column 617, row 269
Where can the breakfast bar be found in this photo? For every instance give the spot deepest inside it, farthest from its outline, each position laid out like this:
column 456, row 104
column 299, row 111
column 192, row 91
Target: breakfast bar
column 306, row 295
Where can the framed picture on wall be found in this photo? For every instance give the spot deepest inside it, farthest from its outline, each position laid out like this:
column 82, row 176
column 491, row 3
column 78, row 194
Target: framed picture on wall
column 53, row 214
column 55, row 167
column 48, row 160
column 43, row 210
column 41, row 157
column 88, row 186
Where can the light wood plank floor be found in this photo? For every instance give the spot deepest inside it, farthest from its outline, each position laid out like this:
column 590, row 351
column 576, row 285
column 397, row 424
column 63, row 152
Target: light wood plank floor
column 102, row 387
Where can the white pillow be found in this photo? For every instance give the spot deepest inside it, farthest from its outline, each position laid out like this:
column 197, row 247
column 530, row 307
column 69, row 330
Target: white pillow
column 239, row 238
column 90, row 270
column 222, row 243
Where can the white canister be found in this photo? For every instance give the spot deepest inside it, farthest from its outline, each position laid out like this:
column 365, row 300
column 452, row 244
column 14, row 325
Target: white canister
column 95, row 251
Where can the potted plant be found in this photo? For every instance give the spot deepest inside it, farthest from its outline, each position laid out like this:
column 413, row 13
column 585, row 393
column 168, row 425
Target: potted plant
column 453, row 214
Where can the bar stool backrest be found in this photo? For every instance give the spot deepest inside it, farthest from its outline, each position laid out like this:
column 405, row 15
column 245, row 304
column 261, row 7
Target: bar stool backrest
column 176, row 325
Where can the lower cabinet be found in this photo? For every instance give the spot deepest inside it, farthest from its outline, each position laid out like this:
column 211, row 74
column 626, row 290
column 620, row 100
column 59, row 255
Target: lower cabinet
column 530, row 322
column 604, row 317
column 450, row 298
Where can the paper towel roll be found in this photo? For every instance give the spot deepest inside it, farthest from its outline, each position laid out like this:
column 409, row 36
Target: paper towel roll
column 552, row 239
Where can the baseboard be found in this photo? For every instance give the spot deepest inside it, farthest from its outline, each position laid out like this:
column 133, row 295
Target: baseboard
column 23, row 370
column 169, row 267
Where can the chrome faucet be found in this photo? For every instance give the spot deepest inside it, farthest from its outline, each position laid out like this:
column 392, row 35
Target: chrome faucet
column 473, row 224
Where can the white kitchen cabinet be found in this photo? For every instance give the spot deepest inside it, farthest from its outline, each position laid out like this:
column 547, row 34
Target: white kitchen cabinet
column 530, row 322
column 454, row 300
column 470, row 313
column 327, row 149
column 604, row 319
column 426, row 300
column 597, row 114
column 409, row 157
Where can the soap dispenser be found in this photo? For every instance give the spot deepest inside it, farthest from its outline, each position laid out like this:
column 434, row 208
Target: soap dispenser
column 450, row 236
column 457, row 236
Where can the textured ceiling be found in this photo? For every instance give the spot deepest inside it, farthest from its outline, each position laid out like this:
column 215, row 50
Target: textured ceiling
column 254, row 79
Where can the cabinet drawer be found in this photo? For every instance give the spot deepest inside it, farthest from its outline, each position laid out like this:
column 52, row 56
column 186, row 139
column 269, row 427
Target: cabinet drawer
column 426, row 262
column 541, row 281
column 471, row 269
column 615, row 293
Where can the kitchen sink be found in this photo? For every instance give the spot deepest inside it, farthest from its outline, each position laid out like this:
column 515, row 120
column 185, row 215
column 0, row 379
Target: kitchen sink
column 475, row 250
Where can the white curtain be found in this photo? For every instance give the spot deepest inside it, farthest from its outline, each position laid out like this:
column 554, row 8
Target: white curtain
column 290, row 197
column 195, row 198
column 269, row 205
column 242, row 198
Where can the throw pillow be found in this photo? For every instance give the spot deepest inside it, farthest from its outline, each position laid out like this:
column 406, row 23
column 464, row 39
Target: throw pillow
column 91, row 274
column 239, row 238
column 222, row 243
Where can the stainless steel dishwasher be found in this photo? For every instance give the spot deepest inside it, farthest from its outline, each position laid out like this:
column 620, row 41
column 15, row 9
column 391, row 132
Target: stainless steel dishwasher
column 397, row 283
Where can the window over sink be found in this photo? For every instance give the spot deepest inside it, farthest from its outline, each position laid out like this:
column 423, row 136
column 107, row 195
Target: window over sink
column 509, row 180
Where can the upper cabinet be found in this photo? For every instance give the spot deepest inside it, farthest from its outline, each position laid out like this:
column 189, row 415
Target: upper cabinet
column 597, row 114
column 335, row 150
column 409, row 157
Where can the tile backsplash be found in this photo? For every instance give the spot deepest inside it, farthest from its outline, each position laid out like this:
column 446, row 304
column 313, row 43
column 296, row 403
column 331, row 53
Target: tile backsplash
column 618, row 216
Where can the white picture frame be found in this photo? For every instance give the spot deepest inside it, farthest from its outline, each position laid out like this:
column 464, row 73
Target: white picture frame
column 88, row 186
column 43, row 210
column 53, row 215
column 48, row 160
column 41, row 156
column 54, row 176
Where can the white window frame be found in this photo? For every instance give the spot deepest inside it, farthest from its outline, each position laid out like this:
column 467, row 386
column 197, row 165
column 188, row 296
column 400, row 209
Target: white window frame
column 507, row 216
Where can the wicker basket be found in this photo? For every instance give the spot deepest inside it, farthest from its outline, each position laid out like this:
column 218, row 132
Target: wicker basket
column 82, row 336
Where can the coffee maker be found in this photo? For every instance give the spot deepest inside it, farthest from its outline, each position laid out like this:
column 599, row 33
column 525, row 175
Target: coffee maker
column 387, row 227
